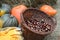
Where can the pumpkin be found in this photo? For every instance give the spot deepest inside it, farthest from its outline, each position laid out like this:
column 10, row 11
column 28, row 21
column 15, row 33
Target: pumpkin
column 11, row 33
column 1, row 23
column 17, row 11
column 4, row 8
column 48, row 10
column 2, row 12
column 9, row 20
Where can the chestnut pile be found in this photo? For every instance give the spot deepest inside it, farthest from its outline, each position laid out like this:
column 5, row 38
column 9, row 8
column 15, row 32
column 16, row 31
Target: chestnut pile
column 38, row 26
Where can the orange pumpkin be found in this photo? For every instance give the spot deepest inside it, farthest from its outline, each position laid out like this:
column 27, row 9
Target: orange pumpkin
column 17, row 11
column 48, row 10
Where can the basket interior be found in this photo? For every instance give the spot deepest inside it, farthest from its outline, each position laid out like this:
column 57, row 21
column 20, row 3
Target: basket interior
column 39, row 15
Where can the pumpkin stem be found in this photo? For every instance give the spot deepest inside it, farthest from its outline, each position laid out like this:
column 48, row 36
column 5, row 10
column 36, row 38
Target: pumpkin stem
column 11, row 16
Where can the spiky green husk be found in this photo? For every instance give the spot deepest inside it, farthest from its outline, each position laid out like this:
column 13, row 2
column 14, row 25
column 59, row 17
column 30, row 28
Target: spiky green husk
column 29, row 3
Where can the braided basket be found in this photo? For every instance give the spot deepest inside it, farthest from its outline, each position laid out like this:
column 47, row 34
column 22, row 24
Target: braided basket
column 29, row 32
